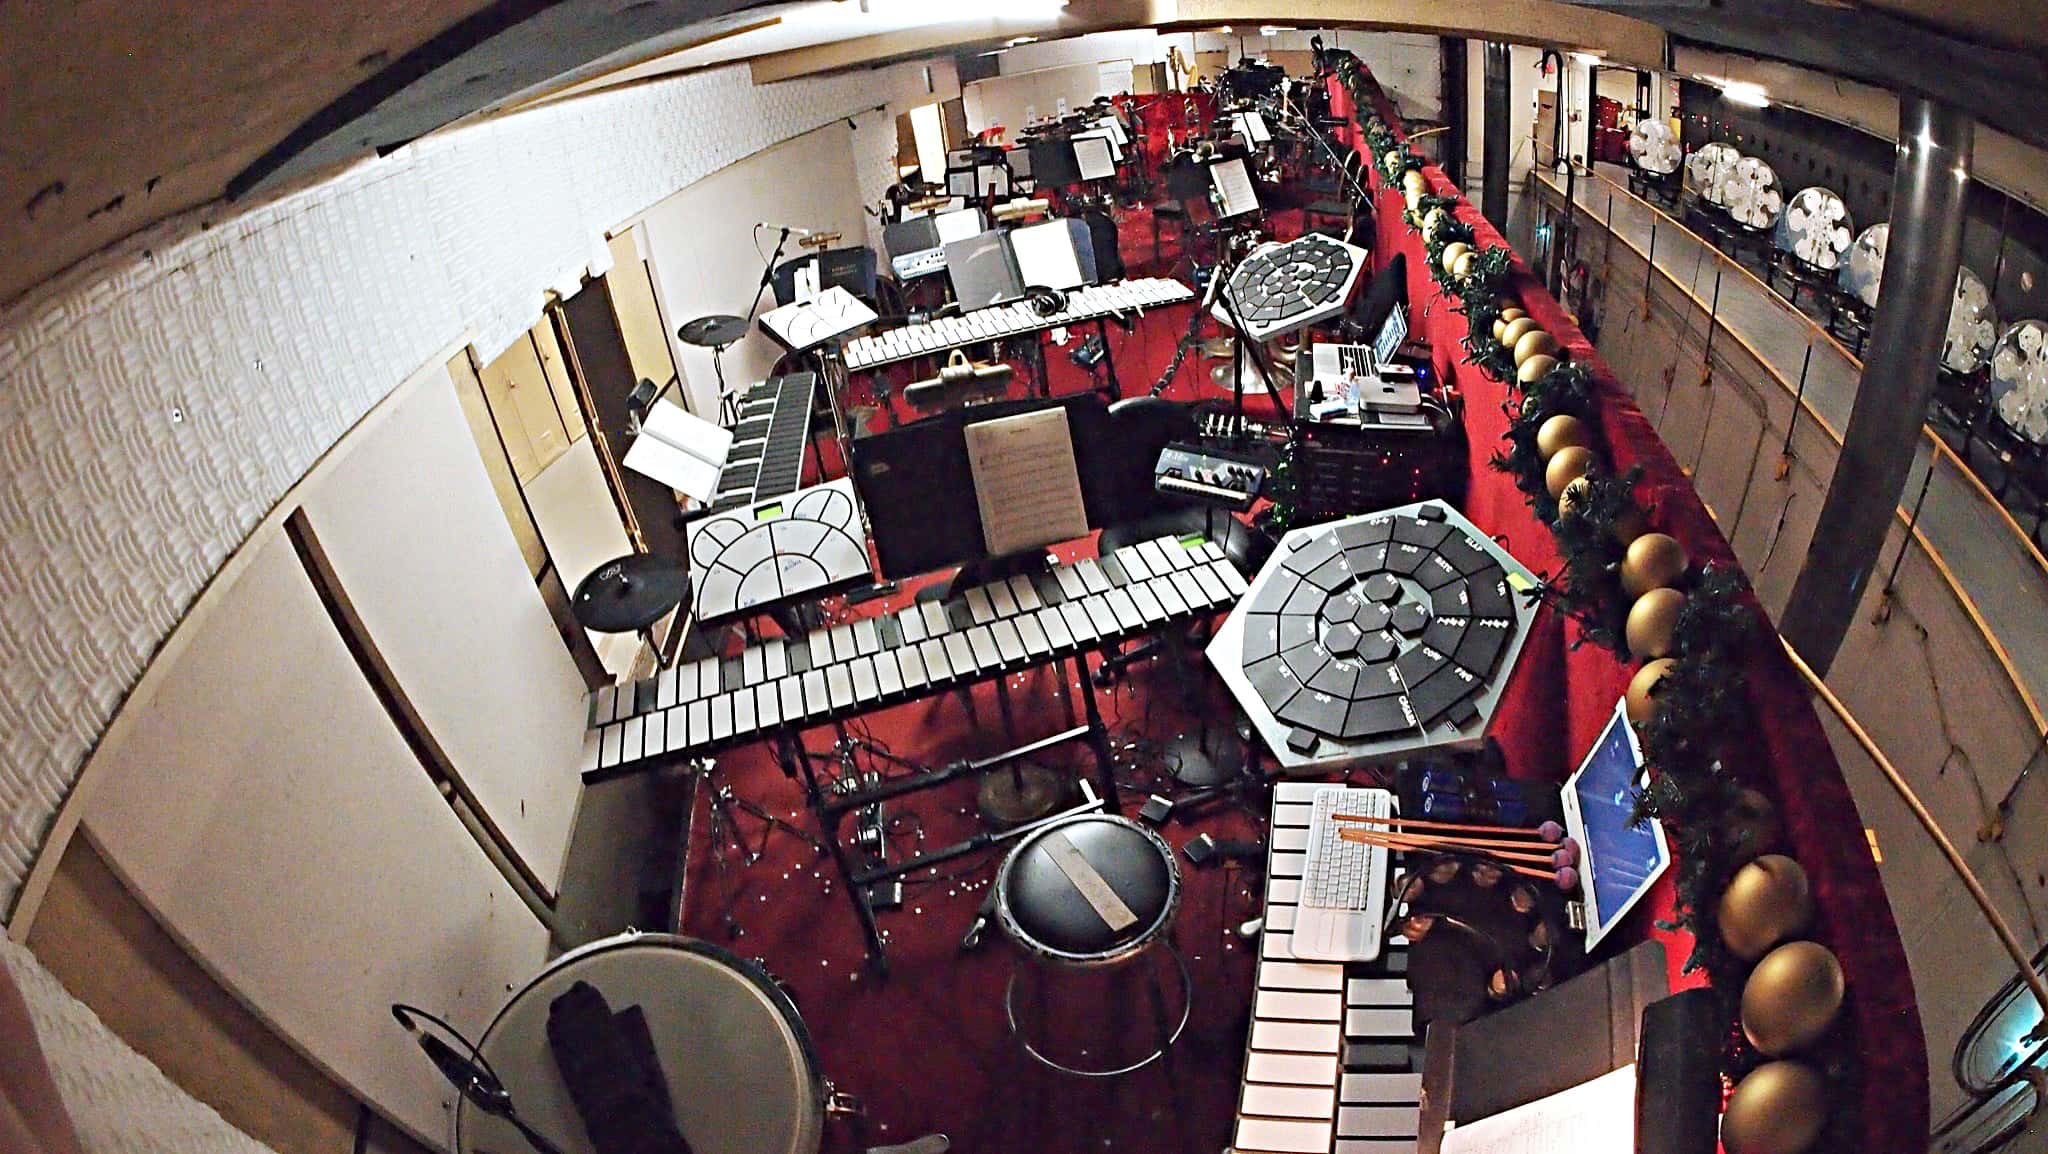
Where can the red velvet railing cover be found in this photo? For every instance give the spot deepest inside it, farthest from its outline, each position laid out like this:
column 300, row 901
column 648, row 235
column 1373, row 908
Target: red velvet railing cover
column 1560, row 697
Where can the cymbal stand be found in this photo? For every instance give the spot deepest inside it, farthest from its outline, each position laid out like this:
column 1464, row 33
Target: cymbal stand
column 726, row 834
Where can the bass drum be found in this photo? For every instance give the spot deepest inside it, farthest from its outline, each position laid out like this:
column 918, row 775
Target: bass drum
column 741, row 1069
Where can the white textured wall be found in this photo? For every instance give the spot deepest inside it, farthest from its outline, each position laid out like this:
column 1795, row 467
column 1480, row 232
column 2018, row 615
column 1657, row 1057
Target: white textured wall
column 156, row 401
column 122, row 1103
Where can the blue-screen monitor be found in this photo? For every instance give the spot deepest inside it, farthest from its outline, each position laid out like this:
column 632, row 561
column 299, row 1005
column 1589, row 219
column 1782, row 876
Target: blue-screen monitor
column 1620, row 861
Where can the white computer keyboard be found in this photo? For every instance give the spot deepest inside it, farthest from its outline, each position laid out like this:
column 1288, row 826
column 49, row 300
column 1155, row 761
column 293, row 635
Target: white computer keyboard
column 1343, row 883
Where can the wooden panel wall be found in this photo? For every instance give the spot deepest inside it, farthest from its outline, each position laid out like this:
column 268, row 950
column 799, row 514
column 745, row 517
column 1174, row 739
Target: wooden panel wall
column 415, row 536
column 260, row 802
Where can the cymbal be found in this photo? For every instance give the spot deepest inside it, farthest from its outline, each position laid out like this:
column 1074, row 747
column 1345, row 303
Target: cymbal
column 628, row 593
column 713, row 332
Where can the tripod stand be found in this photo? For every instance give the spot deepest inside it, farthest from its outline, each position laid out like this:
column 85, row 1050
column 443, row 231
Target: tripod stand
column 726, row 834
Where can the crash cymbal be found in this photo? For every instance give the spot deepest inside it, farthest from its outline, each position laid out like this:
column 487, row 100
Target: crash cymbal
column 712, row 332
column 628, row 593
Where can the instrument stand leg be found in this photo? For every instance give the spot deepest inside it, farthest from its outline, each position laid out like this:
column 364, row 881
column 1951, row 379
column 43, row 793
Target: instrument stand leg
column 1116, row 388
column 871, row 933
column 726, row 840
column 1098, row 739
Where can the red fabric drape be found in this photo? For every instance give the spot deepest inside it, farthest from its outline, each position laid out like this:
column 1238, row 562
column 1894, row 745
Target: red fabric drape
column 1560, row 697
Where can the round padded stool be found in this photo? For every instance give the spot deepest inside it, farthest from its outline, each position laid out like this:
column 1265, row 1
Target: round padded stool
column 1092, row 892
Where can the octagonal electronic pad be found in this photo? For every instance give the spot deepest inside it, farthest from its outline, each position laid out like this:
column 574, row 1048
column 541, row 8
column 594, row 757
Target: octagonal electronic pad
column 1373, row 637
column 1283, row 287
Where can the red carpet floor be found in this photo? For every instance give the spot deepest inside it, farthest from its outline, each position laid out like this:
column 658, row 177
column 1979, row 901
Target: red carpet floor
column 928, row 1047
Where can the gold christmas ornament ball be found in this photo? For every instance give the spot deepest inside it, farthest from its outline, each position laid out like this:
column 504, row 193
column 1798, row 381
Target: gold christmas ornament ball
column 1639, row 700
column 1463, row 266
column 1535, row 369
column 1535, row 342
column 1570, row 463
column 1653, row 561
column 1652, row 629
column 1561, row 432
column 1412, row 181
column 1751, row 826
column 1448, row 258
column 1766, row 902
column 1779, row 1109
column 1574, row 497
column 1792, row 997
column 1511, row 314
column 1413, row 200
column 1433, row 221
column 1517, row 329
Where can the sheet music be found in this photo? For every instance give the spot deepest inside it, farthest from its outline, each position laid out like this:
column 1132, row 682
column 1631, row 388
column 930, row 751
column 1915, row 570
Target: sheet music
column 1233, row 183
column 1025, row 481
column 1596, row 1117
column 680, row 449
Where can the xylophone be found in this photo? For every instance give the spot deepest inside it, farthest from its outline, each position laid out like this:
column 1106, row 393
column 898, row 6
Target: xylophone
column 1331, row 1065
column 700, row 707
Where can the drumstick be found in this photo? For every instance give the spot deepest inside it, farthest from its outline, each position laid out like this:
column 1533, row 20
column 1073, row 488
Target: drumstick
column 1356, row 834
column 1397, row 841
column 1490, row 855
column 1419, row 823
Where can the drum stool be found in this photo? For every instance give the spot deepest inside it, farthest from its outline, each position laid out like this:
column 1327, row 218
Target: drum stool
column 1090, row 893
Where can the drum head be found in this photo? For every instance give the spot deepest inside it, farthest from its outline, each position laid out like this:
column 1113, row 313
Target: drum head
column 737, row 1058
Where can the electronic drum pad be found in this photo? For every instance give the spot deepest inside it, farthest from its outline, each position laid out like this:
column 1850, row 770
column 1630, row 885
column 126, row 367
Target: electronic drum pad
column 1375, row 637
column 1283, row 287
column 802, row 544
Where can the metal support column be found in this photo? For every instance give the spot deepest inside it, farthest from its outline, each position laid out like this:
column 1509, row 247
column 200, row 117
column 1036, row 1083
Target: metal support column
column 1457, row 116
column 1493, row 157
column 1930, row 182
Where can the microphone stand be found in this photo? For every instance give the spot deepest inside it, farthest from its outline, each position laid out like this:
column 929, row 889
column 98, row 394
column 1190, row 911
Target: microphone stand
column 472, row 1077
column 768, row 272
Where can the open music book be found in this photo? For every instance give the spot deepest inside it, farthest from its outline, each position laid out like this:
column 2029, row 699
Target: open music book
column 680, row 449
column 1596, row 1117
column 1026, row 483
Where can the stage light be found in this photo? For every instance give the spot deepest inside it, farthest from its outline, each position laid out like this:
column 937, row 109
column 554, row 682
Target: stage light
column 1589, row 57
column 1744, row 93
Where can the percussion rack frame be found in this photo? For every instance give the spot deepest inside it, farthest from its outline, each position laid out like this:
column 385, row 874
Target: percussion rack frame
column 832, row 808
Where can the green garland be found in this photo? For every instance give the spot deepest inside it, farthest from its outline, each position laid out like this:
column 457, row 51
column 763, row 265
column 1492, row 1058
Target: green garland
column 1702, row 710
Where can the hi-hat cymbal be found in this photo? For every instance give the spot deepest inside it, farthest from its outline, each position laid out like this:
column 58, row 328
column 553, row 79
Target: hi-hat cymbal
column 628, row 593
column 712, row 332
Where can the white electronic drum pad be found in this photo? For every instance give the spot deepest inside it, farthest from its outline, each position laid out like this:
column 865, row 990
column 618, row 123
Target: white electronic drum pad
column 1372, row 638
column 1283, row 287
column 1654, row 147
column 1815, row 227
column 1751, row 194
column 805, row 544
column 2019, row 381
column 1863, row 272
column 1708, row 166
column 1972, row 325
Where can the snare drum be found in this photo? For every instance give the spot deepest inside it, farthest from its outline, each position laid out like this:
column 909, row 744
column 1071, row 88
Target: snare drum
column 741, row 1069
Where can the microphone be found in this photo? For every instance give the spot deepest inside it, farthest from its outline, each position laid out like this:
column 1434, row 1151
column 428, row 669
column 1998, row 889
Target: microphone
column 471, row 1080
column 788, row 228
column 471, row 1076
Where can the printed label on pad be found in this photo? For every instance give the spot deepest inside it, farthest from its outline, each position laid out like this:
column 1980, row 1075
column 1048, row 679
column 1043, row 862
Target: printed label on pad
column 1094, row 888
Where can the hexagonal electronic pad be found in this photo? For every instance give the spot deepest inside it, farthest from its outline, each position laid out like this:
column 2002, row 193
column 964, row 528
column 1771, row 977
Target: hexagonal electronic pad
column 1373, row 637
